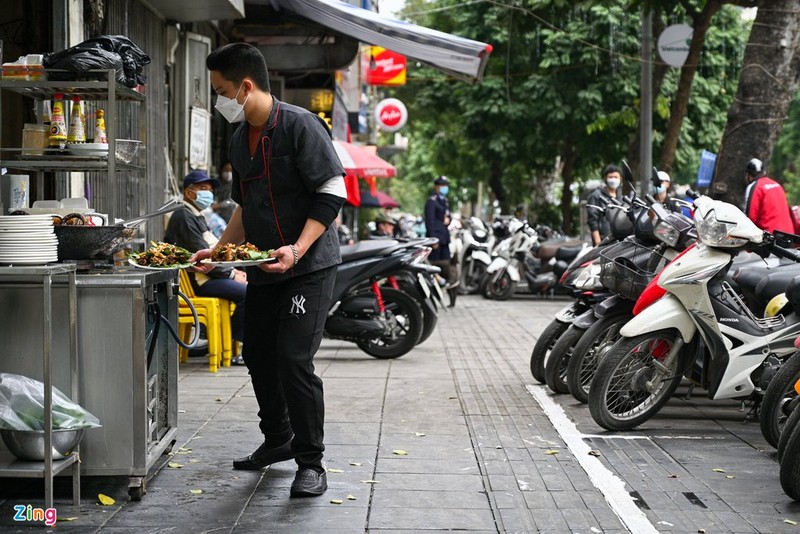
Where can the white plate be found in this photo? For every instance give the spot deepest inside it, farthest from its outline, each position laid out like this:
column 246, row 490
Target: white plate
column 131, row 261
column 18, row 249
column 6, row 220
column 19, row 237
column 238, row 263
column 88, row 149
column 31, row 229
column 27, row 261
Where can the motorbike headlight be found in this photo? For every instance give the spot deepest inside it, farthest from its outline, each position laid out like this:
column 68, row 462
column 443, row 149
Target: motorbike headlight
column 479, row 234
column 667, row 233
column 716, row 233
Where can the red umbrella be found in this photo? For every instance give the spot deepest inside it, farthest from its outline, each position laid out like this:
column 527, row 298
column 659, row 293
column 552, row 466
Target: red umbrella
column 386, row 201
column 358, row 161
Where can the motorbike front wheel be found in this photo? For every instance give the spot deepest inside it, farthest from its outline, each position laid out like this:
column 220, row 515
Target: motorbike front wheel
column 589, row 352
column 789, row 457
column 500, row 289
column 772, row 415
column 555, row 370
column 404, row 318
column 544, row 345
column 629, row 386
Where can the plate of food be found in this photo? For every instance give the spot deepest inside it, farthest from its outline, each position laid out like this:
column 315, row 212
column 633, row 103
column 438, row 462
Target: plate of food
column 230, row 255
column 161, row 256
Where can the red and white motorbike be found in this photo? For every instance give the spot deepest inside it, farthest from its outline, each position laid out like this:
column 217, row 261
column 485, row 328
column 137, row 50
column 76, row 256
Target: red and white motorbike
column 689, row 301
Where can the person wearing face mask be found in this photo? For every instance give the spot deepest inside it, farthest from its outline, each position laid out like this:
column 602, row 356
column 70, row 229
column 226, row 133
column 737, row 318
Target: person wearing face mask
column 595, row 218
column 289, row 185
column 188, row 228
column 437, row 219
column 661, row 191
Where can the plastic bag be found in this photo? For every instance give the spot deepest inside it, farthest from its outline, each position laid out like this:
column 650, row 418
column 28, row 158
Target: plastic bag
column 22, row 406
column 102, row 52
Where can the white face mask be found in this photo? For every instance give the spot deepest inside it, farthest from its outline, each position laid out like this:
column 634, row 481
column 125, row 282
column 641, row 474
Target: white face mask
column 612, row 183
column 230, row 108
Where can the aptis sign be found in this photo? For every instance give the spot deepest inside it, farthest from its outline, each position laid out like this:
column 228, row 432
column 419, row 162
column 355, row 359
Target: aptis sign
column 391, row 114
column 673, row 44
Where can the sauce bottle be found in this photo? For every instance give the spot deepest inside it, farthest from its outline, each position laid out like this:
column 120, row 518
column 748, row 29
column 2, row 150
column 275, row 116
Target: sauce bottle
column 58, row 124
column 100, row 127
column 77, row 131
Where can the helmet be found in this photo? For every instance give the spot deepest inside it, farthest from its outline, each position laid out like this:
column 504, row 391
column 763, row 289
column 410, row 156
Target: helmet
column 754, row 166
column 775, row 305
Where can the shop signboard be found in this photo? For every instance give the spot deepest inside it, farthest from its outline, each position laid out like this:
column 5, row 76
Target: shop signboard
column 391, row 114
column 384, row 67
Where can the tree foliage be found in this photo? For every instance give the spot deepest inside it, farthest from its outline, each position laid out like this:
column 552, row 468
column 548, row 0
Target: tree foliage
column 559, row 99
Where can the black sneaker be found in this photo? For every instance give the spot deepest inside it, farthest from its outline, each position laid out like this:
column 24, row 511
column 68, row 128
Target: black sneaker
column 309, row 483
column 264, row 456
column 237, row 360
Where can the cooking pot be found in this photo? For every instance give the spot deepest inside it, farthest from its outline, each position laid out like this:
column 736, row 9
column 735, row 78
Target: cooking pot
column 100, row 242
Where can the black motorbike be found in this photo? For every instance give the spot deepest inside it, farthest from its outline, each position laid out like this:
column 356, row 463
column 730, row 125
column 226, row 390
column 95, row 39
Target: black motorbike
column 384, row 320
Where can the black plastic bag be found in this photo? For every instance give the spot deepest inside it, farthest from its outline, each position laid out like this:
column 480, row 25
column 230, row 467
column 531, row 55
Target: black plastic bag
column 103, row 52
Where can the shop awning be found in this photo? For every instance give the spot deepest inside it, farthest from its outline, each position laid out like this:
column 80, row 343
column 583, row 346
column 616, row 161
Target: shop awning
column 454, row 55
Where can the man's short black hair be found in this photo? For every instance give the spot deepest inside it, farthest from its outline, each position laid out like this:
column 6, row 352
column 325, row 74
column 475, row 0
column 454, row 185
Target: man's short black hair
column 237, row 61
column 611, row 168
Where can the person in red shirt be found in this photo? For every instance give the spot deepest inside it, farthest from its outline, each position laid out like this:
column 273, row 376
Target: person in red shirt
column 765, row 200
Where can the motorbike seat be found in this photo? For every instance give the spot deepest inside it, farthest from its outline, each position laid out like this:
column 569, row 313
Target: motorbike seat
column 568, row 252
column 368, row 249
column 776, row 283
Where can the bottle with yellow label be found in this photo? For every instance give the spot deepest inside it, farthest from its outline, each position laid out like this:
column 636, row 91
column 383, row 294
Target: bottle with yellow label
column 77, row 131
column 58, row 123
column 100, row 127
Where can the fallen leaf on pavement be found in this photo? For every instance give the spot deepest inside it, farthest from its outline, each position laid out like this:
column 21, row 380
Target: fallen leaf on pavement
column 370, row 481
column 594, row 453
column 790, row 522
column 351, row 497
column 718, row 470
column 196, row 491
column 729, row 476
column 419, row 434
column 105, row 499
column 175, row 465
column 400, row 452
column 551, row 451
column 332, row 470
column 357, row 464
column 66, row 518
column 336, row 501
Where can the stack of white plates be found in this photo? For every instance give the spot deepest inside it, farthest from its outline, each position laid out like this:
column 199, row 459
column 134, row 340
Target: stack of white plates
column 27, row 240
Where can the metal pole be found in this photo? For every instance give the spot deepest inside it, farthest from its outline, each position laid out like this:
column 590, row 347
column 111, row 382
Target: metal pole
column 646, row 106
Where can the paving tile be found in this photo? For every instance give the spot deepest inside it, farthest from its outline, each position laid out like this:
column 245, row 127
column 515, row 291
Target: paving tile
column 432, row 518
column 388, row 498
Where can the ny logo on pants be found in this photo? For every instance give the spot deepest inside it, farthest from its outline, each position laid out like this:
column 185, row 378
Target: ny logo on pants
column 298, row 305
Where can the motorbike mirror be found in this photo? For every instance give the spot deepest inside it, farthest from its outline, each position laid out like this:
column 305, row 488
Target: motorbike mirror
column 655, row 178
column 627, row 174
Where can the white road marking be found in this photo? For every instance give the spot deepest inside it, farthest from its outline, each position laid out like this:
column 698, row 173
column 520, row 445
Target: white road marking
column 611, row 486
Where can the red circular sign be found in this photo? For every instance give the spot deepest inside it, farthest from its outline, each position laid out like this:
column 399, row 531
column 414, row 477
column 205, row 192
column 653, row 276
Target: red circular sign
column 391, row 114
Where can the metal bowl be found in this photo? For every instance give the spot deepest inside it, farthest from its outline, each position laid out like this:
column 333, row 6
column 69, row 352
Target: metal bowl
column 29, row 444
column 126, row 149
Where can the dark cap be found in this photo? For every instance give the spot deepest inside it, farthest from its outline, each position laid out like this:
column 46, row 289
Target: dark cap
column 199, row 176
column 754, row 166
column 385, row 218
column 441, row 180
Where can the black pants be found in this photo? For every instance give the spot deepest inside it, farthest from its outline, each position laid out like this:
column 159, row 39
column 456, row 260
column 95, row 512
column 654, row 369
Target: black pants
column 283, row 330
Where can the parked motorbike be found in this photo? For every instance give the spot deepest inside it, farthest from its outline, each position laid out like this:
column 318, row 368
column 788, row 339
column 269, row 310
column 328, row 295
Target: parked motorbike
column 690, row 296
column 626, row 269
column 583, row 279
column 508, row 261
column 475, row 255
column 547, row 261
column 789, row 443
column 384, row 322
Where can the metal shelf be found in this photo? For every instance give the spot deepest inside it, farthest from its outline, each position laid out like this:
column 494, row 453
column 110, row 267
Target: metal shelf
column 87, row 90
column 12, row 468
column 42, row 276
column 67, row 165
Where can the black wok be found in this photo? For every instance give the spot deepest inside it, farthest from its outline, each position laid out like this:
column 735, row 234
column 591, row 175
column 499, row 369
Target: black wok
column 101, row 242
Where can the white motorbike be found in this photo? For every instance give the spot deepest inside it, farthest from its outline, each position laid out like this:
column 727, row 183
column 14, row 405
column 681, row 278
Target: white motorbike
column 690, row 297
column 474, row 256
column 504, row 273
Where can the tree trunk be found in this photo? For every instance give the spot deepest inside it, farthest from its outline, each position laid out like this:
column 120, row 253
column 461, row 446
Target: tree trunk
column 496, row 181
column 701, row 22
column 569, row 157
column 767, row 85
